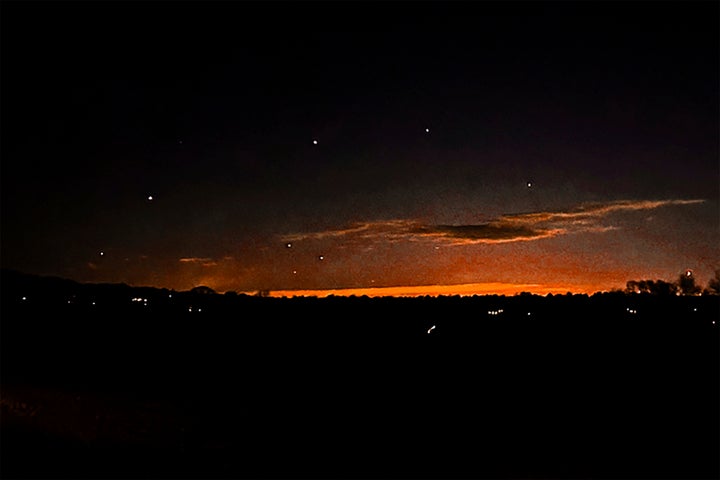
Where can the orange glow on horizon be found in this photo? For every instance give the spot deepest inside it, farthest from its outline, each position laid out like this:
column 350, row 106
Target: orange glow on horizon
column 467, row 289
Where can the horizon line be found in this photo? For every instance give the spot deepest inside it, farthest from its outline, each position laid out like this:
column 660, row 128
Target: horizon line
column 461, row 289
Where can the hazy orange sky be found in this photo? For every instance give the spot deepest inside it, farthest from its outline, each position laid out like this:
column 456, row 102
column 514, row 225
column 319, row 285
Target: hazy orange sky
column 450, row 148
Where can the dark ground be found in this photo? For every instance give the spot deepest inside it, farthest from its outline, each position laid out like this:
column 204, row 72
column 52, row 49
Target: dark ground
column 355, row 387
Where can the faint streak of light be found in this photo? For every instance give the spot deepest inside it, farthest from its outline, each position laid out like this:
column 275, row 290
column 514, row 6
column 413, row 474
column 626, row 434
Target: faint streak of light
column 431, row 329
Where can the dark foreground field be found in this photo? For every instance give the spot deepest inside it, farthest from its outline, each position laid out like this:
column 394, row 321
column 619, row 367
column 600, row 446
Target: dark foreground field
column 245, row 387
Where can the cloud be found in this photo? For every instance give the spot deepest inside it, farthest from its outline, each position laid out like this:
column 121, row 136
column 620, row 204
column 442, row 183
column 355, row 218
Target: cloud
column 491, row 232
column 519, row 227
column 205, row 262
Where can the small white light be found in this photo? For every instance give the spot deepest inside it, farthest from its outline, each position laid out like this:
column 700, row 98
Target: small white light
column 24, row 298
column 288, row 245
column 294, row 272
column 427, row 130
column 321, row 257
column 431, row 329
column 150, row 198
column 314, row 142
column 529, row 184
column 102, row 253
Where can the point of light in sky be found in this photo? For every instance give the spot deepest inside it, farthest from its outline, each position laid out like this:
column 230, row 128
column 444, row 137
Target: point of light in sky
column 423, row 217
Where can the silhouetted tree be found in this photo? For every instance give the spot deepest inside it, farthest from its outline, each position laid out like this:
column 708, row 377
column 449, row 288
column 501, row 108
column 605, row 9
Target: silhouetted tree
column 633, row 286
column 203, row 290
column 686, row 284
column 713, row 286
column 661, row 287
column 653, row 287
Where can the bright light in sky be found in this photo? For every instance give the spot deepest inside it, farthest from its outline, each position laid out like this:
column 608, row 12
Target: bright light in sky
column 439, row 216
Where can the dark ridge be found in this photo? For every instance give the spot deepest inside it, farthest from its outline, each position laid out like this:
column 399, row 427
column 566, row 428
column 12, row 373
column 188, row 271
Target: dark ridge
column 113, row 381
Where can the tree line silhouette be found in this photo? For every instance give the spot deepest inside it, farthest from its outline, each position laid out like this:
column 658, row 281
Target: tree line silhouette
column 618, row 384
column 684, row 285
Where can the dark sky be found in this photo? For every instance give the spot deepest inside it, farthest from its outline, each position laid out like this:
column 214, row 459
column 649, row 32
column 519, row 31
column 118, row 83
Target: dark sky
column 569, row 145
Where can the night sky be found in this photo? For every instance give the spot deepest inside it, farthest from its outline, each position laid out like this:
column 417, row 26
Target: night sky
column 469, row 147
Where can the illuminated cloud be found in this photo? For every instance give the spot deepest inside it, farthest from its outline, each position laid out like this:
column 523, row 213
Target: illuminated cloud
column 519, row 227
column 205, row 262
column 491, row 232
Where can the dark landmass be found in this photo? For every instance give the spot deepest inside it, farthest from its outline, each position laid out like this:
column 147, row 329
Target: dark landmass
column 113, row 381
